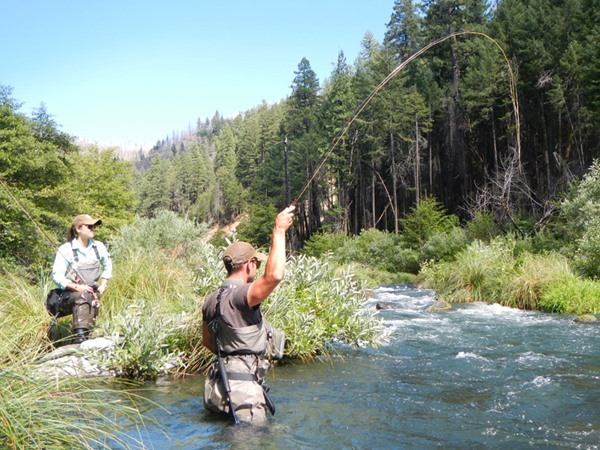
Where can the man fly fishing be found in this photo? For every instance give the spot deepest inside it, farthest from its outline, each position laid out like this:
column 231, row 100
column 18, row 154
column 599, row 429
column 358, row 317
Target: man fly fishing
column 233, row 328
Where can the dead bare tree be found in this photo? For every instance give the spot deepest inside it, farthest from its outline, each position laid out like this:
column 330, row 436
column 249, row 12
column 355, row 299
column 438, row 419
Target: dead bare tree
column 506, row 193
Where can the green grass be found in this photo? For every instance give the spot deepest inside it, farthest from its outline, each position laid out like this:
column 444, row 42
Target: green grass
column 570, row 294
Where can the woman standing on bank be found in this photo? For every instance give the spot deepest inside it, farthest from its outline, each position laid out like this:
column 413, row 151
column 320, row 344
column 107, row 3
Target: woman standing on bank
column 82, row 266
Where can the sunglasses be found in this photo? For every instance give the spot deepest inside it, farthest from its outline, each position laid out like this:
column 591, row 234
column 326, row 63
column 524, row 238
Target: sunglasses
column 257, row 262
column 90, row 227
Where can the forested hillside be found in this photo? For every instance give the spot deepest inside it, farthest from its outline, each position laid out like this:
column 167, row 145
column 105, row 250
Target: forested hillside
column 444, row 126
column 497, row 118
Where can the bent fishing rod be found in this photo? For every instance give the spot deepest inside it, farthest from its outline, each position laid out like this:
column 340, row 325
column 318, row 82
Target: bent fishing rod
column 338, row 137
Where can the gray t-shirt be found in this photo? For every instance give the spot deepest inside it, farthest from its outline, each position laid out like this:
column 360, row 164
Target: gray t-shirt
column 235, row 310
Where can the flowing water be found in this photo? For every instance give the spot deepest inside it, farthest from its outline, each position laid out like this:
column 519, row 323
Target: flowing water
column 477, row 376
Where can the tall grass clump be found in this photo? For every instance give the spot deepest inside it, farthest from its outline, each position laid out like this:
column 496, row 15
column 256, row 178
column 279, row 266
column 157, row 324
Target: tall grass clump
column 67, row 413
column 481, row 272
column 570, row 294
column 23, row 316
column 316, row 305
column 532, row 277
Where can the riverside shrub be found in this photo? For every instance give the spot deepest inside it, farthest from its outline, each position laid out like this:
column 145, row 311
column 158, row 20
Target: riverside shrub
column 572, row 295
column 580, row 212
column 316, row 305
column 444, row 246
column 532, row 277
column 481, row 272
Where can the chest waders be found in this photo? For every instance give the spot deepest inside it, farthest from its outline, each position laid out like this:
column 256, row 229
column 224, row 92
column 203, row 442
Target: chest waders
column 218, row 327
column 81, row 305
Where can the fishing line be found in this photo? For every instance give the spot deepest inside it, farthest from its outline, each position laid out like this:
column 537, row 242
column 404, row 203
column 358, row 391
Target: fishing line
column 392, row 74
column 55, row 246
column 22, row 207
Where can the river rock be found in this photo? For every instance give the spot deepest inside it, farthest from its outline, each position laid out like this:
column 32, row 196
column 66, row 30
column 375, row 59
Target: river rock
column 79, row 360
column 586, row 318
column 438, row 306
column 386, row 305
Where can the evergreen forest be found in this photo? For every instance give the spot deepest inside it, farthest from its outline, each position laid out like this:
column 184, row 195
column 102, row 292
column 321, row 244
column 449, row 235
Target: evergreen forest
column 498, row 117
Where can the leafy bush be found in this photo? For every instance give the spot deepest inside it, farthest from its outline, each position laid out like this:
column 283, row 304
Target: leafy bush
column 316, row 305
column 445, row 245
column 165, row 231
column 380, row 250
column 580, row 212
column 144, row 353
column 482, row 227
column 587, row 256
column 324, row 242
column 572, row 295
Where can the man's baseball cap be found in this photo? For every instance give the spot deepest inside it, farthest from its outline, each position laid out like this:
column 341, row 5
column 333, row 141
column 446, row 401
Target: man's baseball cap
column 85, row 219
column 240, row 252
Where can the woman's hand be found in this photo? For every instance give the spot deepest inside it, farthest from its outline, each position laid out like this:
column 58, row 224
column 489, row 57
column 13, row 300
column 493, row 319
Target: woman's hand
column 83, row 288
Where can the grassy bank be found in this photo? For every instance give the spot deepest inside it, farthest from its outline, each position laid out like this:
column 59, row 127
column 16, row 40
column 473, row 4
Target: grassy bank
column 503, row 272
column 163, row 268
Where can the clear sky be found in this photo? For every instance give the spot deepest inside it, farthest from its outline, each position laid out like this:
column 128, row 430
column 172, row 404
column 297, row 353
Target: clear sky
column 129, row 72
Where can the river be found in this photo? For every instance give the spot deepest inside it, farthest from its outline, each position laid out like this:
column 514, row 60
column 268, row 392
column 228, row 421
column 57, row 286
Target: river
column 478, row 376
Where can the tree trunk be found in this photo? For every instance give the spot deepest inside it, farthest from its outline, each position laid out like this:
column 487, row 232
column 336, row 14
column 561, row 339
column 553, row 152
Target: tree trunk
column 394, row 184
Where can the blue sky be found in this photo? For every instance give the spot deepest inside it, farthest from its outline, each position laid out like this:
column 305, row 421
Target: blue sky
column 131, row 72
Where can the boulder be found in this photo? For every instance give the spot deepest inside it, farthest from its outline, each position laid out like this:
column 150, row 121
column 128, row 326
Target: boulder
column 386, row 305
column 438, row 306
column 586, row 318
column 79, row 360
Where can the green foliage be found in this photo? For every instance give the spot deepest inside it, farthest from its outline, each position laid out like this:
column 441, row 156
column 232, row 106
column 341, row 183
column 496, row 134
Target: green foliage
column 46, row 180
column 257, row 227
column 316, row 305
column 479, row 273
column 63, row 413
column 570, row 294
column 580, row 212
column 444, row 246
column 482, row 227
column 380, row 250
column 324, row 242
column 532, row 277
column 144, row 332
column 166, row 231
column 108, row 192
column 150, row 302
column 424, row 220
column 32, row 172
column 68, row 413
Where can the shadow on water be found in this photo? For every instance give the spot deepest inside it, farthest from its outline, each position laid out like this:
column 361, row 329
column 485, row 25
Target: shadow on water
column 477, row 376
